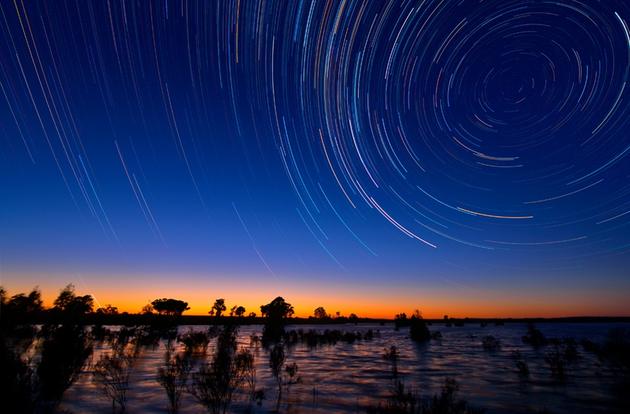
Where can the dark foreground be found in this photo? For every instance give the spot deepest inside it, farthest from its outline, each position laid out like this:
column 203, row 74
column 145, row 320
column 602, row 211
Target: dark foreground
column 366, row 368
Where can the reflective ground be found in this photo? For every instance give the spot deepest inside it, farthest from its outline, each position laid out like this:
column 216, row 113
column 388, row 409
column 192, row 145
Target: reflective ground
column 352, row 377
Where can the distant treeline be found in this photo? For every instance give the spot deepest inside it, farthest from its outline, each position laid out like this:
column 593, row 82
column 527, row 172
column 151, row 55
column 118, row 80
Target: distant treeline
column 28, row 308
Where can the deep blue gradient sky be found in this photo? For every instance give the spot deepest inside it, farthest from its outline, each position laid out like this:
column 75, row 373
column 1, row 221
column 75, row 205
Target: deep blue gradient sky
column 474, row 152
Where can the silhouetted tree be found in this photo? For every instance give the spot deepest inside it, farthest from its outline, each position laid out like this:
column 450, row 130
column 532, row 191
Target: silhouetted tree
column 70, row 304
column 239, row 311
column 20, row 308
column 277, row 309
column 353, row 318
column 39, row 383
column 25, row 304
column 418, row 329
column 66, row 296
column 276, row 312
column 107, row 310
column 400, row 320
column 218, row 307
column 170, row 307
column 320, row 313
column 65, row 350
column 17, row 386
column 147, row 309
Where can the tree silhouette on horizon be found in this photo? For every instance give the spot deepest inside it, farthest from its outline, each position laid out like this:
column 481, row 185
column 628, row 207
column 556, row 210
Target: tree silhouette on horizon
column 170, row 307
column 218, row 308
column 320, row 313
column 275, row 314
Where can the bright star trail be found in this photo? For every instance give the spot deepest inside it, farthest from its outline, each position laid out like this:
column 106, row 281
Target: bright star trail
column 469, row 152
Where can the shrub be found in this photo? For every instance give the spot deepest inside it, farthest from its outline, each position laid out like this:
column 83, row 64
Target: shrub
column 215, row 383
column 173, row 377
column 490, row 343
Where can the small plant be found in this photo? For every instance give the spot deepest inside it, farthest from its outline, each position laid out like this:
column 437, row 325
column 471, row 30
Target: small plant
column 590, row 346
column 195, row 342
column 112, row 371
column 276, row 361
column 557, row 363
column 392, row 356
column 259, row 396
column 436, row 336
column 292, row 377
column 534, row 337
column 313, row 338
column 173, row 377
column 245, row 366
column 447, row 402
column 616, row 351
column 215, row 383
column 490, row 343
column 570, row 350
column 564, row 353
column 521, row 365
column 403, row 400
column 523, row 368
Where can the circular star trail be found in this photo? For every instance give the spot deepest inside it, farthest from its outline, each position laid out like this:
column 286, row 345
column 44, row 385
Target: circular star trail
column 491, row 124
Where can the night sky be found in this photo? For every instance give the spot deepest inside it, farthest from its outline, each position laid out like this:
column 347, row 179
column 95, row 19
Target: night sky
column 463, row 157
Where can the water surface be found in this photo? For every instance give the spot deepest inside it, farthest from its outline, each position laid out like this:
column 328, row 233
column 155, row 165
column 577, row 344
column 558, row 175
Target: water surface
column 348, row 378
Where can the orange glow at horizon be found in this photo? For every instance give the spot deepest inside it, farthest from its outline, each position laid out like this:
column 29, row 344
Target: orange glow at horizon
column 372, row 303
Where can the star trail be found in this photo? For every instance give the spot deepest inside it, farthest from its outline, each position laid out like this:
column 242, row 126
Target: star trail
column 439, row 145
